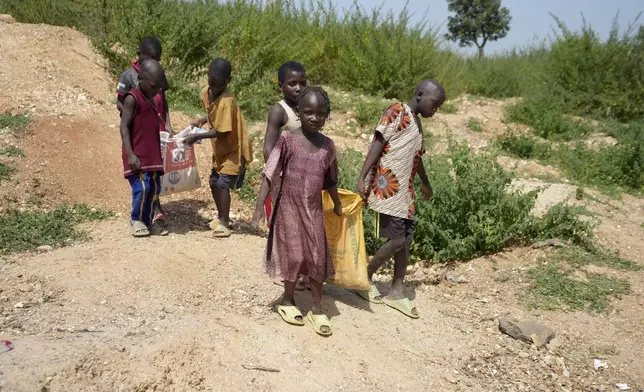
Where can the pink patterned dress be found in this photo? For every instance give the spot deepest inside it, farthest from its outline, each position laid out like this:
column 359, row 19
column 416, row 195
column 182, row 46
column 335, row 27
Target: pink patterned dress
column 296, row 240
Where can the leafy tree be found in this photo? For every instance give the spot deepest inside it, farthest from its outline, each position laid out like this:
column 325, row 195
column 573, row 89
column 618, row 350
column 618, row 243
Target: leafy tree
column 477, row 22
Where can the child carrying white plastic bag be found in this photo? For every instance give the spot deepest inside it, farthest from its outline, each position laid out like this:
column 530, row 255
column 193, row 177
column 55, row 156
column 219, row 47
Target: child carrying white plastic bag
column 179, row 163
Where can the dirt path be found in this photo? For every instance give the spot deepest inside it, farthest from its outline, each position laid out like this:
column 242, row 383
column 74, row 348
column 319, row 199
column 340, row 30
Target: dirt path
column 186, row 312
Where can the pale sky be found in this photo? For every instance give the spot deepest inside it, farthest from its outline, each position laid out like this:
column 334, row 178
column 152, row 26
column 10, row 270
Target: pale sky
column 530, row 18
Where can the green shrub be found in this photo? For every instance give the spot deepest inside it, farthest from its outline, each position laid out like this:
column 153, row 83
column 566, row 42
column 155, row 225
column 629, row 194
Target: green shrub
column 474, row 125
column 368, row 112
column 12, row 151
column 561, row 222
column 472, row 213
column 6, row 171
column 604, row 166
column 524, row 146
column 24, row 231
column 604, row 79
column 555, row 288
column 13, row 122
column 448, row 107
column 510, row 74
column 546, row 116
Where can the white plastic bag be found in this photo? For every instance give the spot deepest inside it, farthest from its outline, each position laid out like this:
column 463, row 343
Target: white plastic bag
column 179, row 164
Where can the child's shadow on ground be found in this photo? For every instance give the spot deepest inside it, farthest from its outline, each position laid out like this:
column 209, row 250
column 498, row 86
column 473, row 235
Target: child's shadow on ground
column 410, row 288
column 332, row 294
column 183, row 216
column 350, row 298
column 347, row 297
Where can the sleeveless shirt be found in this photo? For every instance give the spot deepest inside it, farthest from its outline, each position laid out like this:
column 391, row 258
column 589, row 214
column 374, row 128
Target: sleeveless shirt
column 148, row 120
column 293, row 121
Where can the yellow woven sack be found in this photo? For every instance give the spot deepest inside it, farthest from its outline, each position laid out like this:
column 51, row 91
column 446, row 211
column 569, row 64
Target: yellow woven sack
column 345, row 237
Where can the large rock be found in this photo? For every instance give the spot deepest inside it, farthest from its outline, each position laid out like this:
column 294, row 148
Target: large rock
column 527, row 331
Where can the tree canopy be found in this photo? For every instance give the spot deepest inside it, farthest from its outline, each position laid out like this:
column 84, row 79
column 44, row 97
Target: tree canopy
column 476, row 22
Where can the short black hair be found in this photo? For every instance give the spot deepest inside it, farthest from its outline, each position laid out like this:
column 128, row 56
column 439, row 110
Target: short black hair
column 289, row 66
column 220, row 67
column 317, row 90
column 431, row 87
column 151, row 47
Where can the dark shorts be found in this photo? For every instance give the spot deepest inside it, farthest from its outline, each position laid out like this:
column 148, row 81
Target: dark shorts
column 392, row 227
column 226, row 181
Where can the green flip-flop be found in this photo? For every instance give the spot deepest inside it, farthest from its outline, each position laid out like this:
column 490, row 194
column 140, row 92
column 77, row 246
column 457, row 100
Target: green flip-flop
column 321, row 323
column 403, row 305
column 290, row 314
column 221, row 231
column 373, row 295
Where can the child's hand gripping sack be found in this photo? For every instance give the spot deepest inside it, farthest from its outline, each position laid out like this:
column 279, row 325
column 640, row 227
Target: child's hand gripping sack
column 179, row 165
column 345, row 236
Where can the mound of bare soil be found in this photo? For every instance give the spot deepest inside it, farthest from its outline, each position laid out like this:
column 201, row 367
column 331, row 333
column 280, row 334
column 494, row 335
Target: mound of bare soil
column 50, row 70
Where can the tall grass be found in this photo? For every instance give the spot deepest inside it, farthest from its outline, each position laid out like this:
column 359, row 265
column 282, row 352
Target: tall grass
column 512, row 73
column 604, row 79
column 372, row 52
column 486, row 220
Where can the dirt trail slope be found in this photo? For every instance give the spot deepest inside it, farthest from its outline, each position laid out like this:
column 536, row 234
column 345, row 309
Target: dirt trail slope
column 187, row 312
column 184, row 313
column 50, row 70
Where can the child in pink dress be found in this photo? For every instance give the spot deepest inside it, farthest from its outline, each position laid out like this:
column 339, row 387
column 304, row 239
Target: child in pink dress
column 297, row 241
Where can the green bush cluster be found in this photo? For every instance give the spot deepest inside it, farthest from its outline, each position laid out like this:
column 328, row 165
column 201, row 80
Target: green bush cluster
column 473, row 212
column 603, row 166
column 604, row 79
column 22, row 231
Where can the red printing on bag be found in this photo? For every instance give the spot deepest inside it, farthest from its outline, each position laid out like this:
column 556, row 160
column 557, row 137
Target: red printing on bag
column 185, row 160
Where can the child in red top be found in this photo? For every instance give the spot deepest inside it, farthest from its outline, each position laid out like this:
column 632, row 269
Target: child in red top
column 143, row 112
column 149, row 49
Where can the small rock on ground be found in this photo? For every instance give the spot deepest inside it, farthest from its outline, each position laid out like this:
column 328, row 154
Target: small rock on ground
column 452, row 278
column 554, row 242
column 527, row 331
